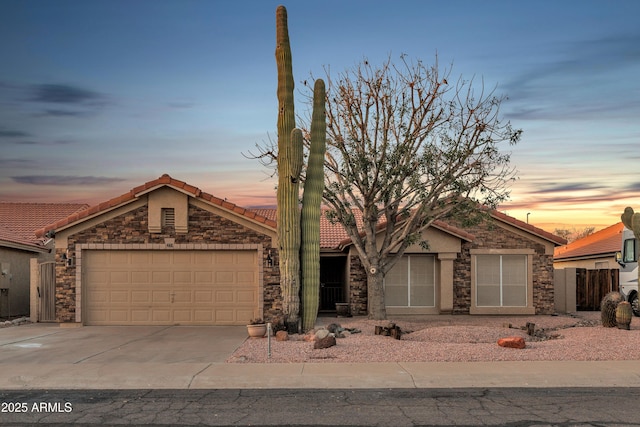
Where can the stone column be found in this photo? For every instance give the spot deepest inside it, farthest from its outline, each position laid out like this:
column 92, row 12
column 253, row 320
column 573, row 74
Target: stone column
column 446, row 281
column 34, row 282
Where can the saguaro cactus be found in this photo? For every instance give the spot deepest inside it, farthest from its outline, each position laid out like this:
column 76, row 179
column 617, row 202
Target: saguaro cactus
column 631, row 220
column 311, row 201
column 290, row 157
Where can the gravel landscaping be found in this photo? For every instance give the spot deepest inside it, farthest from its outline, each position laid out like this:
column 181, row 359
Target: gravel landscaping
column 456, row 338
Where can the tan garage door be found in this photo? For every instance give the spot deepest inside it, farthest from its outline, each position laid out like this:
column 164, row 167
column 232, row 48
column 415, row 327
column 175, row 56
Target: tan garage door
column 145, row 287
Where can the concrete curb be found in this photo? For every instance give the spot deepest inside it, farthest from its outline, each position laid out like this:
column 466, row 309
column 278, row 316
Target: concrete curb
column 92, row 376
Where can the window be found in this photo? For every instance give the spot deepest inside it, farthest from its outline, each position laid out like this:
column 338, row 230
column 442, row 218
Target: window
column 501, row 281
column 629, row 253
column 411, row 282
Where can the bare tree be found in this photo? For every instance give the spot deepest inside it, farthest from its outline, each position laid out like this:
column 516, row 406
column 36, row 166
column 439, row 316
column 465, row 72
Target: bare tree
column 573, row 234
column 406, row 148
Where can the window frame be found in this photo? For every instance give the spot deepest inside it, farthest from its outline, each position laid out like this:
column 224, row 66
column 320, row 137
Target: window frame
column 625, row 246
column 529, row 308
column 408, row 285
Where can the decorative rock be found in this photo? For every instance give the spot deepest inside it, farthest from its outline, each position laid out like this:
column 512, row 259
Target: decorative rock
column 512, row 342
column 335, row 328
column 326, row 342
column 282, row 336
column 321, row 333
column 19, row 321
column 311, row 336
column 343, row 334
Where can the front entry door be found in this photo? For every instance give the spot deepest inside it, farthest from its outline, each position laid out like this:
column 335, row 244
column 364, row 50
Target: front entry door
column 331, row 282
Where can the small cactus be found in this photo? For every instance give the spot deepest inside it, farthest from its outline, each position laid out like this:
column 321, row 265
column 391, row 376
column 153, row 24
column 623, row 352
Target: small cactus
column 623, row 315
column 608, row 308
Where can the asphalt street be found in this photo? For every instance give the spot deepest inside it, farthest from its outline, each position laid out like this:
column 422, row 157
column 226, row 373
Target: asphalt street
column 507, row 407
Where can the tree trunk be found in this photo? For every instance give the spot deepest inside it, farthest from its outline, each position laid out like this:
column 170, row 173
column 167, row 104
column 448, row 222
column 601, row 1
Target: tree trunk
column 375, row 295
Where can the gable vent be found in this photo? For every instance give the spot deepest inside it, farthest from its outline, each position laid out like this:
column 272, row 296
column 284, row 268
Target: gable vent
column 168, row 217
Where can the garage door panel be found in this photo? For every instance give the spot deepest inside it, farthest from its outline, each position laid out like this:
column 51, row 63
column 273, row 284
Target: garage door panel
column 225, row 316
column 141, row 277
column 161, row 296
column 182, row 297
column 170, row 287
column 161, row 277
column 98, row 277
column 161, row 315
column 182, row 316
column 246, row 257
column 100, row 315
column 141, row 316
column 222, row 258
column 224, row 277
column 182, row 257
column 243, row 314
column 122, row 297
column 139, row 297
column 182, row 277
column 118, row 277
column 245, row 297
column 120, row 316
column 203, row 277
column 99, row 297
column 115, row 258
column 205, row 316
column 161, row 258
column 139, row 257
column 205, row 258
column 224, row 296
column 245, row 277
column 204, row 297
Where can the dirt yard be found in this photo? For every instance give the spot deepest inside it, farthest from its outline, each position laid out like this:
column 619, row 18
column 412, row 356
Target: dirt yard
column 454, row 338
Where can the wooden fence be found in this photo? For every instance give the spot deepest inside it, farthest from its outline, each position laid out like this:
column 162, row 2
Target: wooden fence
column 593, row 285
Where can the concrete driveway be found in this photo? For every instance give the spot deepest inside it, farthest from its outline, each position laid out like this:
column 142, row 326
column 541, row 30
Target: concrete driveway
column 51, row 344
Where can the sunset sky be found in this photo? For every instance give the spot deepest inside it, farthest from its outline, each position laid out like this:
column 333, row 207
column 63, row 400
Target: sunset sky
column 97, row 97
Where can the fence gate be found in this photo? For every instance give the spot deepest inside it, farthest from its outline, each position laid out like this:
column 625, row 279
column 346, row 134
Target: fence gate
column 47, row 292
column 593, row 285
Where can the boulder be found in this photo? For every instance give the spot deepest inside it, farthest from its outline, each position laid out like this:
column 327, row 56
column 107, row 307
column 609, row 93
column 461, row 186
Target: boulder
column 321, row 333
column 282, row 336
column 512, row 342
column 326, row 342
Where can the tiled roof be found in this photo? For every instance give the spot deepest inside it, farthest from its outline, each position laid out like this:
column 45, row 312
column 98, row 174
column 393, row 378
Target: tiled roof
column 19, row 221
column 528, row 227
column 604, row 242
column 332, row 236
column 133, row 194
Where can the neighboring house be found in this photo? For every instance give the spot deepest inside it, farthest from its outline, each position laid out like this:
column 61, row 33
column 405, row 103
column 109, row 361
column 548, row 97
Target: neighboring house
column 19, row 244
column 595, row 251
column 168, row 253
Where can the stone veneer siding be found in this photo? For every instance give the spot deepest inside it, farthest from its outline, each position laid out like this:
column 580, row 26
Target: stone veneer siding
column 131, row 228
column 491, row 236
column 357, row 286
